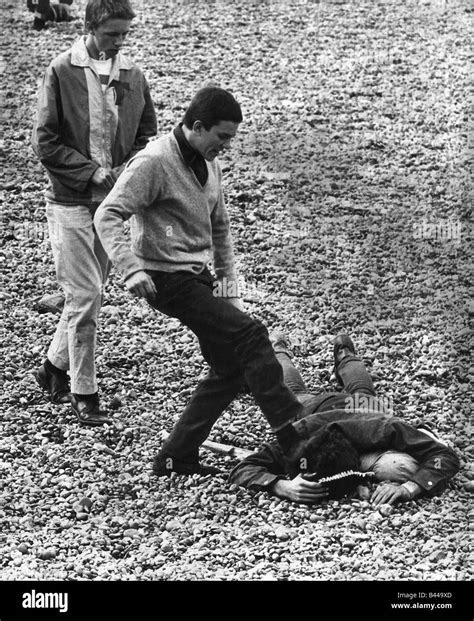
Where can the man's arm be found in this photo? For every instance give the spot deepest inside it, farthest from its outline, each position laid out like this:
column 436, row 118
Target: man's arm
column 264, row 470
column 135, row 190
column 438, row 463
column 260, row 470
column 68, row 165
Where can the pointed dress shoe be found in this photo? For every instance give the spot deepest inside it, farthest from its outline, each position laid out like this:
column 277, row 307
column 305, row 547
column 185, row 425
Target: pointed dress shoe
column 88, row 412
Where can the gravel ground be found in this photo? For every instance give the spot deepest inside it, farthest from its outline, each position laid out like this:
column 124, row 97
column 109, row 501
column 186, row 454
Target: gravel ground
column 348, row 192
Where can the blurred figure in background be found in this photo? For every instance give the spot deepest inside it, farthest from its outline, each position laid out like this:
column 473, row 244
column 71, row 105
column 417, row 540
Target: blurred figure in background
column 45, row 11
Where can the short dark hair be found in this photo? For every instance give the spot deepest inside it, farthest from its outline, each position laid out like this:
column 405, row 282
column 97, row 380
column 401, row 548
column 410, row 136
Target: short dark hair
column 99, row 11
column 330, row 453
column 210, row 105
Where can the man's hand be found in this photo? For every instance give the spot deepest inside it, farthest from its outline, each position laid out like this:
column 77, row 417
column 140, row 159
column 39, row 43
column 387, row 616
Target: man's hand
column 300, row 490
column 389, row 493
column 237, row 302
column 141, row 285
column 104, row 178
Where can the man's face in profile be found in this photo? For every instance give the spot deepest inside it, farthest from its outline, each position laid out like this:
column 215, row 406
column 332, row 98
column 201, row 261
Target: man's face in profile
column 211, row 142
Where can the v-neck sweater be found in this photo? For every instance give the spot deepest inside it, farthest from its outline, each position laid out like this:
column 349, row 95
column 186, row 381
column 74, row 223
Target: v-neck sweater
column 176, row 224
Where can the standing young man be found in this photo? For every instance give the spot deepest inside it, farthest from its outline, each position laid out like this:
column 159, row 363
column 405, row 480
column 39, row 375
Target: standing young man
column 173, row 190
column 94, row 113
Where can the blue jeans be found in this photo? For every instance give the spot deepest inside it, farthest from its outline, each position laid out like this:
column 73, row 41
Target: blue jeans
column 237, row 349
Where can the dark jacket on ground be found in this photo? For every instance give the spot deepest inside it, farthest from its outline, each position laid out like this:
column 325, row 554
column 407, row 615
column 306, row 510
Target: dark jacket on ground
column 367, row 433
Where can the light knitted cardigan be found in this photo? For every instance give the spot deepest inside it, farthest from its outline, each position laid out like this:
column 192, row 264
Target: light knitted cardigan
column 177, row 224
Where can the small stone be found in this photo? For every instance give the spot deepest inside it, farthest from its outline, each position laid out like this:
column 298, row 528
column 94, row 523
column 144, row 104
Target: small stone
column 437, row 555
column 82, row 517
column 281, row 533
column 375, row 517
column 349, row 543
column 469, row 486
column 23, row 548
column 166, row 546
column 46, row 555
column 172, row 525
column 115, row 403
column 360, row 523
column 110, row 311
column 385, row 509
column 131, row 532
column 86, row 503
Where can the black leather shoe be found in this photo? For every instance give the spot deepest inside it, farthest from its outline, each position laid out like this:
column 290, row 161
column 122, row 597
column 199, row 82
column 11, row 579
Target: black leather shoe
column 164, row 465
column 88, row 412
column 343, row 346
column 39, row 24
column 55, row 384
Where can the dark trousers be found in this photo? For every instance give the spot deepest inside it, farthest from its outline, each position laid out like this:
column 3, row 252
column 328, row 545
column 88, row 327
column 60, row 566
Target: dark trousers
column 352, row 372
column 238, row 351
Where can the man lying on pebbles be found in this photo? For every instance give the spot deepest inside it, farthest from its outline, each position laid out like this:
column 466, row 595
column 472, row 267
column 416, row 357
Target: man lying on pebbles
column 351, row 437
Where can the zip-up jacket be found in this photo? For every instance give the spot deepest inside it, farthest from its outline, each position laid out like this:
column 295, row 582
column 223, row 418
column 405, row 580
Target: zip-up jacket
column 80, row 128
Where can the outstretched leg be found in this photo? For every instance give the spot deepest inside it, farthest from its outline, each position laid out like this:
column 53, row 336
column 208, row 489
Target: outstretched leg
column 191, row 299
column 210, row 398
column 349, row 369
column 291, row 375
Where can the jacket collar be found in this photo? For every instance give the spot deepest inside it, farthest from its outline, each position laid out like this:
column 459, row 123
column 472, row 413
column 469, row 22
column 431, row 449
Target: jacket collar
column 80, row 56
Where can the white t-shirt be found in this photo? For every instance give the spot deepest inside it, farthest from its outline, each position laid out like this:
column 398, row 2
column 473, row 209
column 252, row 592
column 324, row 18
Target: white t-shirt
column 103, row 68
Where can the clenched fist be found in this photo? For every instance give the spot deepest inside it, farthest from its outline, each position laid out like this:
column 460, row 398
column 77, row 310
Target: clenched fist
column 104, row 178
column 141, row 285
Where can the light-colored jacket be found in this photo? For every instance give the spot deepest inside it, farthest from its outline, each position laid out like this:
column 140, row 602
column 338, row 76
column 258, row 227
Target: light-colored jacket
column 80, row 128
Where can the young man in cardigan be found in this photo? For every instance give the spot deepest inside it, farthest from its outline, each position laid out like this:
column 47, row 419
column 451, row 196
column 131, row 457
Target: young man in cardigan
column 173, row 190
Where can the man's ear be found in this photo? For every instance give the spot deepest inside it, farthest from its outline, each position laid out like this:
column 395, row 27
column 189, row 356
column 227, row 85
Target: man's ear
column 89, row 28
column 198, row 127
